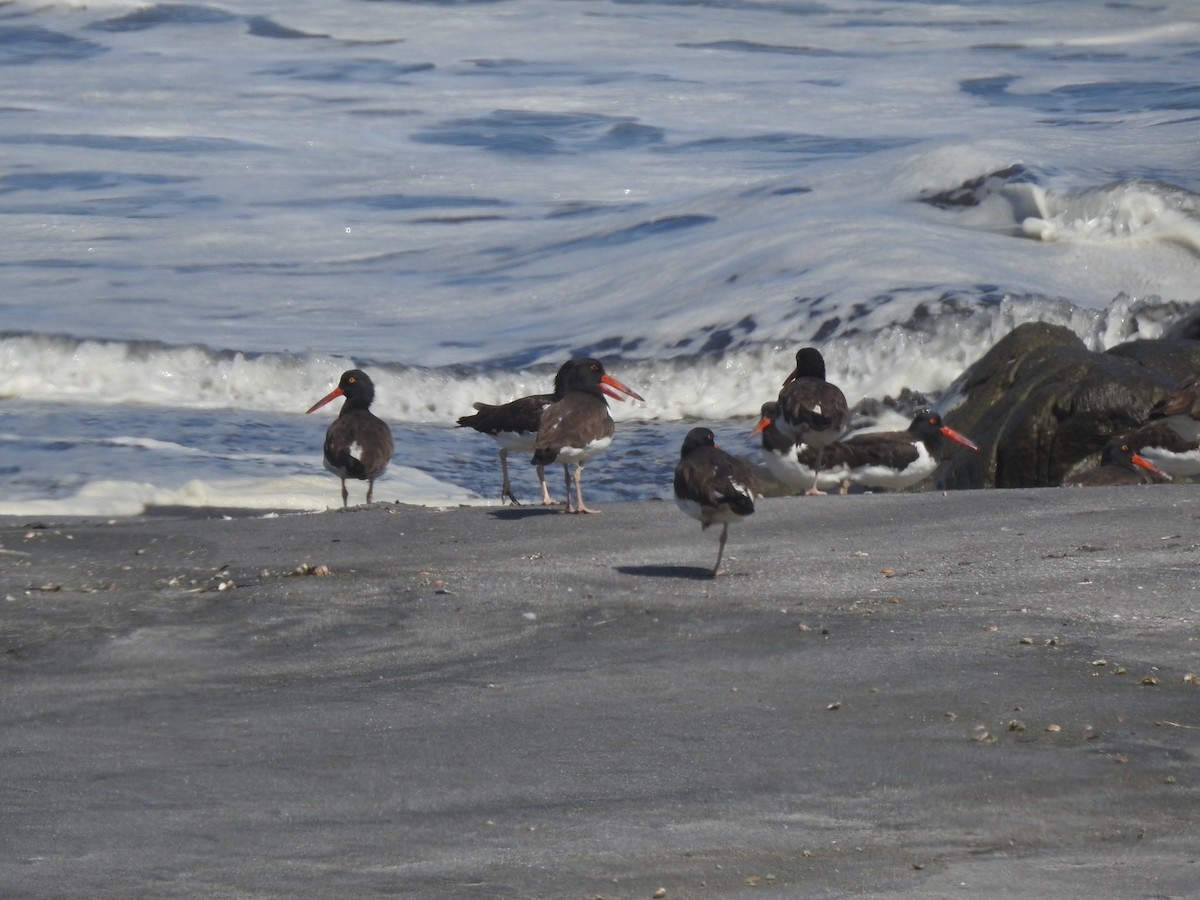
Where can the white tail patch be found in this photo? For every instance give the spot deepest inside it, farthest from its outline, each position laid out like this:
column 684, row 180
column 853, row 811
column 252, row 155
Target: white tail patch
column 356, row 451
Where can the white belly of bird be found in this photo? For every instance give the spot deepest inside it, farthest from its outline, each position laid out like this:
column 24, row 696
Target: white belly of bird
column 583, row 454
column 790, row 472
column 515, row 440
column 893, row 480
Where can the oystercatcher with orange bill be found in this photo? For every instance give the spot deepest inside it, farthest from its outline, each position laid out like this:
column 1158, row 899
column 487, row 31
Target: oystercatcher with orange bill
column 577, row 426
column 1159, row 443
column 889, row 460
column 358, row 443
column 812, row 411
column 713, row 487
column 1119, row 465
column 1180, row 409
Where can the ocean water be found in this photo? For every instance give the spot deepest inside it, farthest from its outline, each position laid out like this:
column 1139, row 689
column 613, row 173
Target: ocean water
column 208, row 211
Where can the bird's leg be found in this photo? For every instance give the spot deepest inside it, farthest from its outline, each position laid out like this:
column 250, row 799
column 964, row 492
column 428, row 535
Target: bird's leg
column 567, row 486
column 547, row 500
column 345, row 495
column 814, row 491
column 579, row 504
column 506, row 489
column 721, row 549
column 370, row 489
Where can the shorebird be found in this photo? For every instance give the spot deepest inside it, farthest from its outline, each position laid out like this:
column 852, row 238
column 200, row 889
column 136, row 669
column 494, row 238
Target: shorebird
column 1119, row 465
column 713, row 487
column 358, row 443
column 513, row 426
column 1159, row 443
column 1180, row 409
column 811, row 410
column 890, row 460
column 577, row 426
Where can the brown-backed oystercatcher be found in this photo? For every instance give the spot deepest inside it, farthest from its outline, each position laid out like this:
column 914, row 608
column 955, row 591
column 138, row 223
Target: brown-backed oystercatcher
column 713, row 487
column 577, row 426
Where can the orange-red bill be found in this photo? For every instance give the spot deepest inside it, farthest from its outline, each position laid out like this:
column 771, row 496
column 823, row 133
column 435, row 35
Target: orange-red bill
column 1150, row 467
column 949, row 432
column 332, row 395
column 615, row 386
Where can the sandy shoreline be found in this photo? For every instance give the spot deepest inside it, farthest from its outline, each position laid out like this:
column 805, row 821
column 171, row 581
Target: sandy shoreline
column 925, row 695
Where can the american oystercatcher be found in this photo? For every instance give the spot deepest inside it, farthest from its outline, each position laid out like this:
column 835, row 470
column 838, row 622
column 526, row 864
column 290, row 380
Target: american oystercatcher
column 1119, row 464
column 783, row 457
column 578, row 426
column 1159, row 443
column 1180, row 409
column 513, row 426
column 888, row 460
column 811, row 410
column 713, row 487
column 358, row 443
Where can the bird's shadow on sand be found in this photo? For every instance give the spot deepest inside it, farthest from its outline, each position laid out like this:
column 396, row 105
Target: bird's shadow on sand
column 691, row 573
column 512, row 513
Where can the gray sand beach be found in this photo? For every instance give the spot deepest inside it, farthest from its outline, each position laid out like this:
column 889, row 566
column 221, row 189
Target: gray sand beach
column 980, row 693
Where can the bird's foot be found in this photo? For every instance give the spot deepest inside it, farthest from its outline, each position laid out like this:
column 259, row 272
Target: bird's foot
column 814, row 492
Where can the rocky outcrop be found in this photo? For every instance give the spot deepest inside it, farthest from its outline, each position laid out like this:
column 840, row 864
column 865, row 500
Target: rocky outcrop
column 1039, row 403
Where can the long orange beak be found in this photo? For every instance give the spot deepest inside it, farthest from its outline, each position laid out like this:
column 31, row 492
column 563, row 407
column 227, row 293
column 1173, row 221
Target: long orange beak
column 1150, row 467
column 790, row 378
column 949, row 432
column 763, row 424
column 332, row 395
column 607, row 381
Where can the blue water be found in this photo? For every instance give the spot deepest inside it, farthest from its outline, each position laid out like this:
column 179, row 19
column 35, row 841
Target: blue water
column 210, row 211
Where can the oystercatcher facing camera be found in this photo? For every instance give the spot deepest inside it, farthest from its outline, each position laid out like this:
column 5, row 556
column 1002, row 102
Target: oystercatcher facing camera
column 577, row 426
column 358, row 443
column 713, row 487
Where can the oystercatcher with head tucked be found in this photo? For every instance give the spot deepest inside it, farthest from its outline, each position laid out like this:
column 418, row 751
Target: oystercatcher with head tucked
column 358, row 443
column 812, row 411
column 889, row 460
column 1119, row 465
column 1180, row 409
column 790, row 463
column 577, row 426
column 713, row 487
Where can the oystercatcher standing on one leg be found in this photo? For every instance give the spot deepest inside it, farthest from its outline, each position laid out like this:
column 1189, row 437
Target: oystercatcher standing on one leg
column 578, row 426
column 712, row 486
column 358, row 443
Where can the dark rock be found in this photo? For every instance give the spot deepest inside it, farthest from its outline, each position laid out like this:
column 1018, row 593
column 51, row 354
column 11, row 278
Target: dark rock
column 1039, row 402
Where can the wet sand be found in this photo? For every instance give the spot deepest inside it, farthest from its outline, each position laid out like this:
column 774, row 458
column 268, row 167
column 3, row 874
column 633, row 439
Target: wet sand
column 971, row 694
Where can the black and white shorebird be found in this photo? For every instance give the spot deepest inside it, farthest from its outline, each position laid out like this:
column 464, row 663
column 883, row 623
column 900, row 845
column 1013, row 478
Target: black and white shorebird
column 811, row 411
column 1119, row 465
column 514, row 427
column 577, row 426
column 1180, row 409
column 1160, row 444
column 889, row 460
column 713, row 487
column 358, row 444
